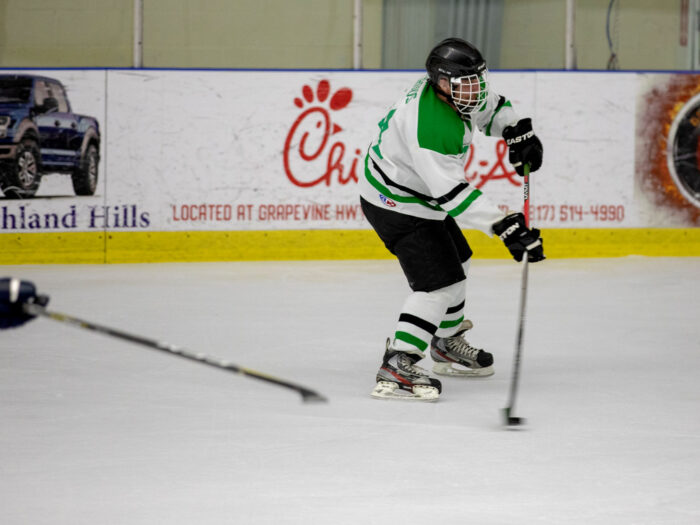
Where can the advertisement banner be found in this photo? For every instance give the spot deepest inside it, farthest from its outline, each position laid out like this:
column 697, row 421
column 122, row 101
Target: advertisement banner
column 667, row 181
column 179, row 150
column 48, row 122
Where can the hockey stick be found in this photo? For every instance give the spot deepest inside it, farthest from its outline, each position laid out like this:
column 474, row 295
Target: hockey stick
column 306, row 394
column 509, row 418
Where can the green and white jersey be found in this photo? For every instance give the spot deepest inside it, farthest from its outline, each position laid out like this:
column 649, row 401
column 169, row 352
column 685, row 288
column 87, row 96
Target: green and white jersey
column 416, row 163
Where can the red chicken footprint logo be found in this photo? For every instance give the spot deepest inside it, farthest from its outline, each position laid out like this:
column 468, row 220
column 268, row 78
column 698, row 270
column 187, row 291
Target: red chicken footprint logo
column 309, row 156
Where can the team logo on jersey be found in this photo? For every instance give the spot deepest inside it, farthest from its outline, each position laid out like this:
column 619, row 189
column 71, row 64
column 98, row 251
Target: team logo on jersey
column 314, row 151
column 387, row 202
column 683, row 150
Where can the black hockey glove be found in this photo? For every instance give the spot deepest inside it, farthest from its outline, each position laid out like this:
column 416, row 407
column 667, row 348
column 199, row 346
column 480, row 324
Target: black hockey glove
column 13, row 294
column 523, row 146
column 519, row 239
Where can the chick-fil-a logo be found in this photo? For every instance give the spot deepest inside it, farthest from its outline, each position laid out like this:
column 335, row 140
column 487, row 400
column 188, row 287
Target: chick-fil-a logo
column 490, row 171
column 311, row 156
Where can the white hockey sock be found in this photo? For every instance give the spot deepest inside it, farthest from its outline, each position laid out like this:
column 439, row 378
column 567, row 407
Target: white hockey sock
column 422, row 314
column 454, row 314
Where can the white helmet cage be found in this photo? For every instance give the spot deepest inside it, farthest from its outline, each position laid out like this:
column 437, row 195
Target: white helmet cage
column 469, row 92
column 463, row 66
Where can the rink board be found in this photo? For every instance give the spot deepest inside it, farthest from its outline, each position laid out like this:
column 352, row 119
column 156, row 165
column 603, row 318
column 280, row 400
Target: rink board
column 194, row 167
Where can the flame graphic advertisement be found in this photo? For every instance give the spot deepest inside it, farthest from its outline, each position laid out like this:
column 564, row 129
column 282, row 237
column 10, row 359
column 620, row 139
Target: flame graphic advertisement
column 668, row 148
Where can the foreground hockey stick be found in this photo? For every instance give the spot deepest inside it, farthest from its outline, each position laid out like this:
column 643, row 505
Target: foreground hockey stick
column 509, row 418
column 307, row 395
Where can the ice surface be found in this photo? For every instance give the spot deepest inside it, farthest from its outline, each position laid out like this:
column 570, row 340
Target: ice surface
column 96, row 430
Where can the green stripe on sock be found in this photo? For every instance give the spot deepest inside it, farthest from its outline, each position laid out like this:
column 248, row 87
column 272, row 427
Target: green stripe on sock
column 450, row 324
column 411, row 340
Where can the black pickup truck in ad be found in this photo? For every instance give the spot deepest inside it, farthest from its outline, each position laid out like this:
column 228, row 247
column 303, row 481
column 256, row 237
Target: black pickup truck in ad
column 40, row 134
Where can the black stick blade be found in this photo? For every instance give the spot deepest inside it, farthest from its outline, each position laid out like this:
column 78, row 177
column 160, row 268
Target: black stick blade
column 309, row 396
column 509, row 420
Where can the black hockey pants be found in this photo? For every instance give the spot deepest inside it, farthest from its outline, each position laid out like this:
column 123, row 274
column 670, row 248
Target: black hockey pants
column 431, row 252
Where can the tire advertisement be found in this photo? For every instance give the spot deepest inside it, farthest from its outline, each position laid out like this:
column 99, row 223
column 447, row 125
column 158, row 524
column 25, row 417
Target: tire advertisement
column 668, row 149
column 212, row 150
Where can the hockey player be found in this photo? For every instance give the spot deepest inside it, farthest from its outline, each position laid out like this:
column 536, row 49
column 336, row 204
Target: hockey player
column 13, row 294
column 414, row 191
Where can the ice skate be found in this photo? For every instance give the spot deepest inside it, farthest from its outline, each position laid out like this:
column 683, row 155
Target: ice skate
column 454, row 356
column 400, row 378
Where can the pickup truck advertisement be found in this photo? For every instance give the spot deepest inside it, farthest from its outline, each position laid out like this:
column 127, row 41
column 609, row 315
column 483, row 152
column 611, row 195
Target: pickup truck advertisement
column 178, row 150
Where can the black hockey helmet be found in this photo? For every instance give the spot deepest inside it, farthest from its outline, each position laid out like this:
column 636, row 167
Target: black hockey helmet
column 454, row 57
column 459, row 62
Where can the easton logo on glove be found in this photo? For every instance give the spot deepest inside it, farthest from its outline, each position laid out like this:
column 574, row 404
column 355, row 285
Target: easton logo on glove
column 519, row 239
column 509, row 231
column 523, row 146
column 520, row 138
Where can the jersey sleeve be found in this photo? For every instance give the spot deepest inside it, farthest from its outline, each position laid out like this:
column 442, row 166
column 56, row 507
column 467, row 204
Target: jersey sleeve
column 444, row 177
column 495, row 115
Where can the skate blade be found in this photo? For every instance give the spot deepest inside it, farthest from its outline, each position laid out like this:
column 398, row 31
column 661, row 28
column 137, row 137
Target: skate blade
column 388, row 390
column 446, row 369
